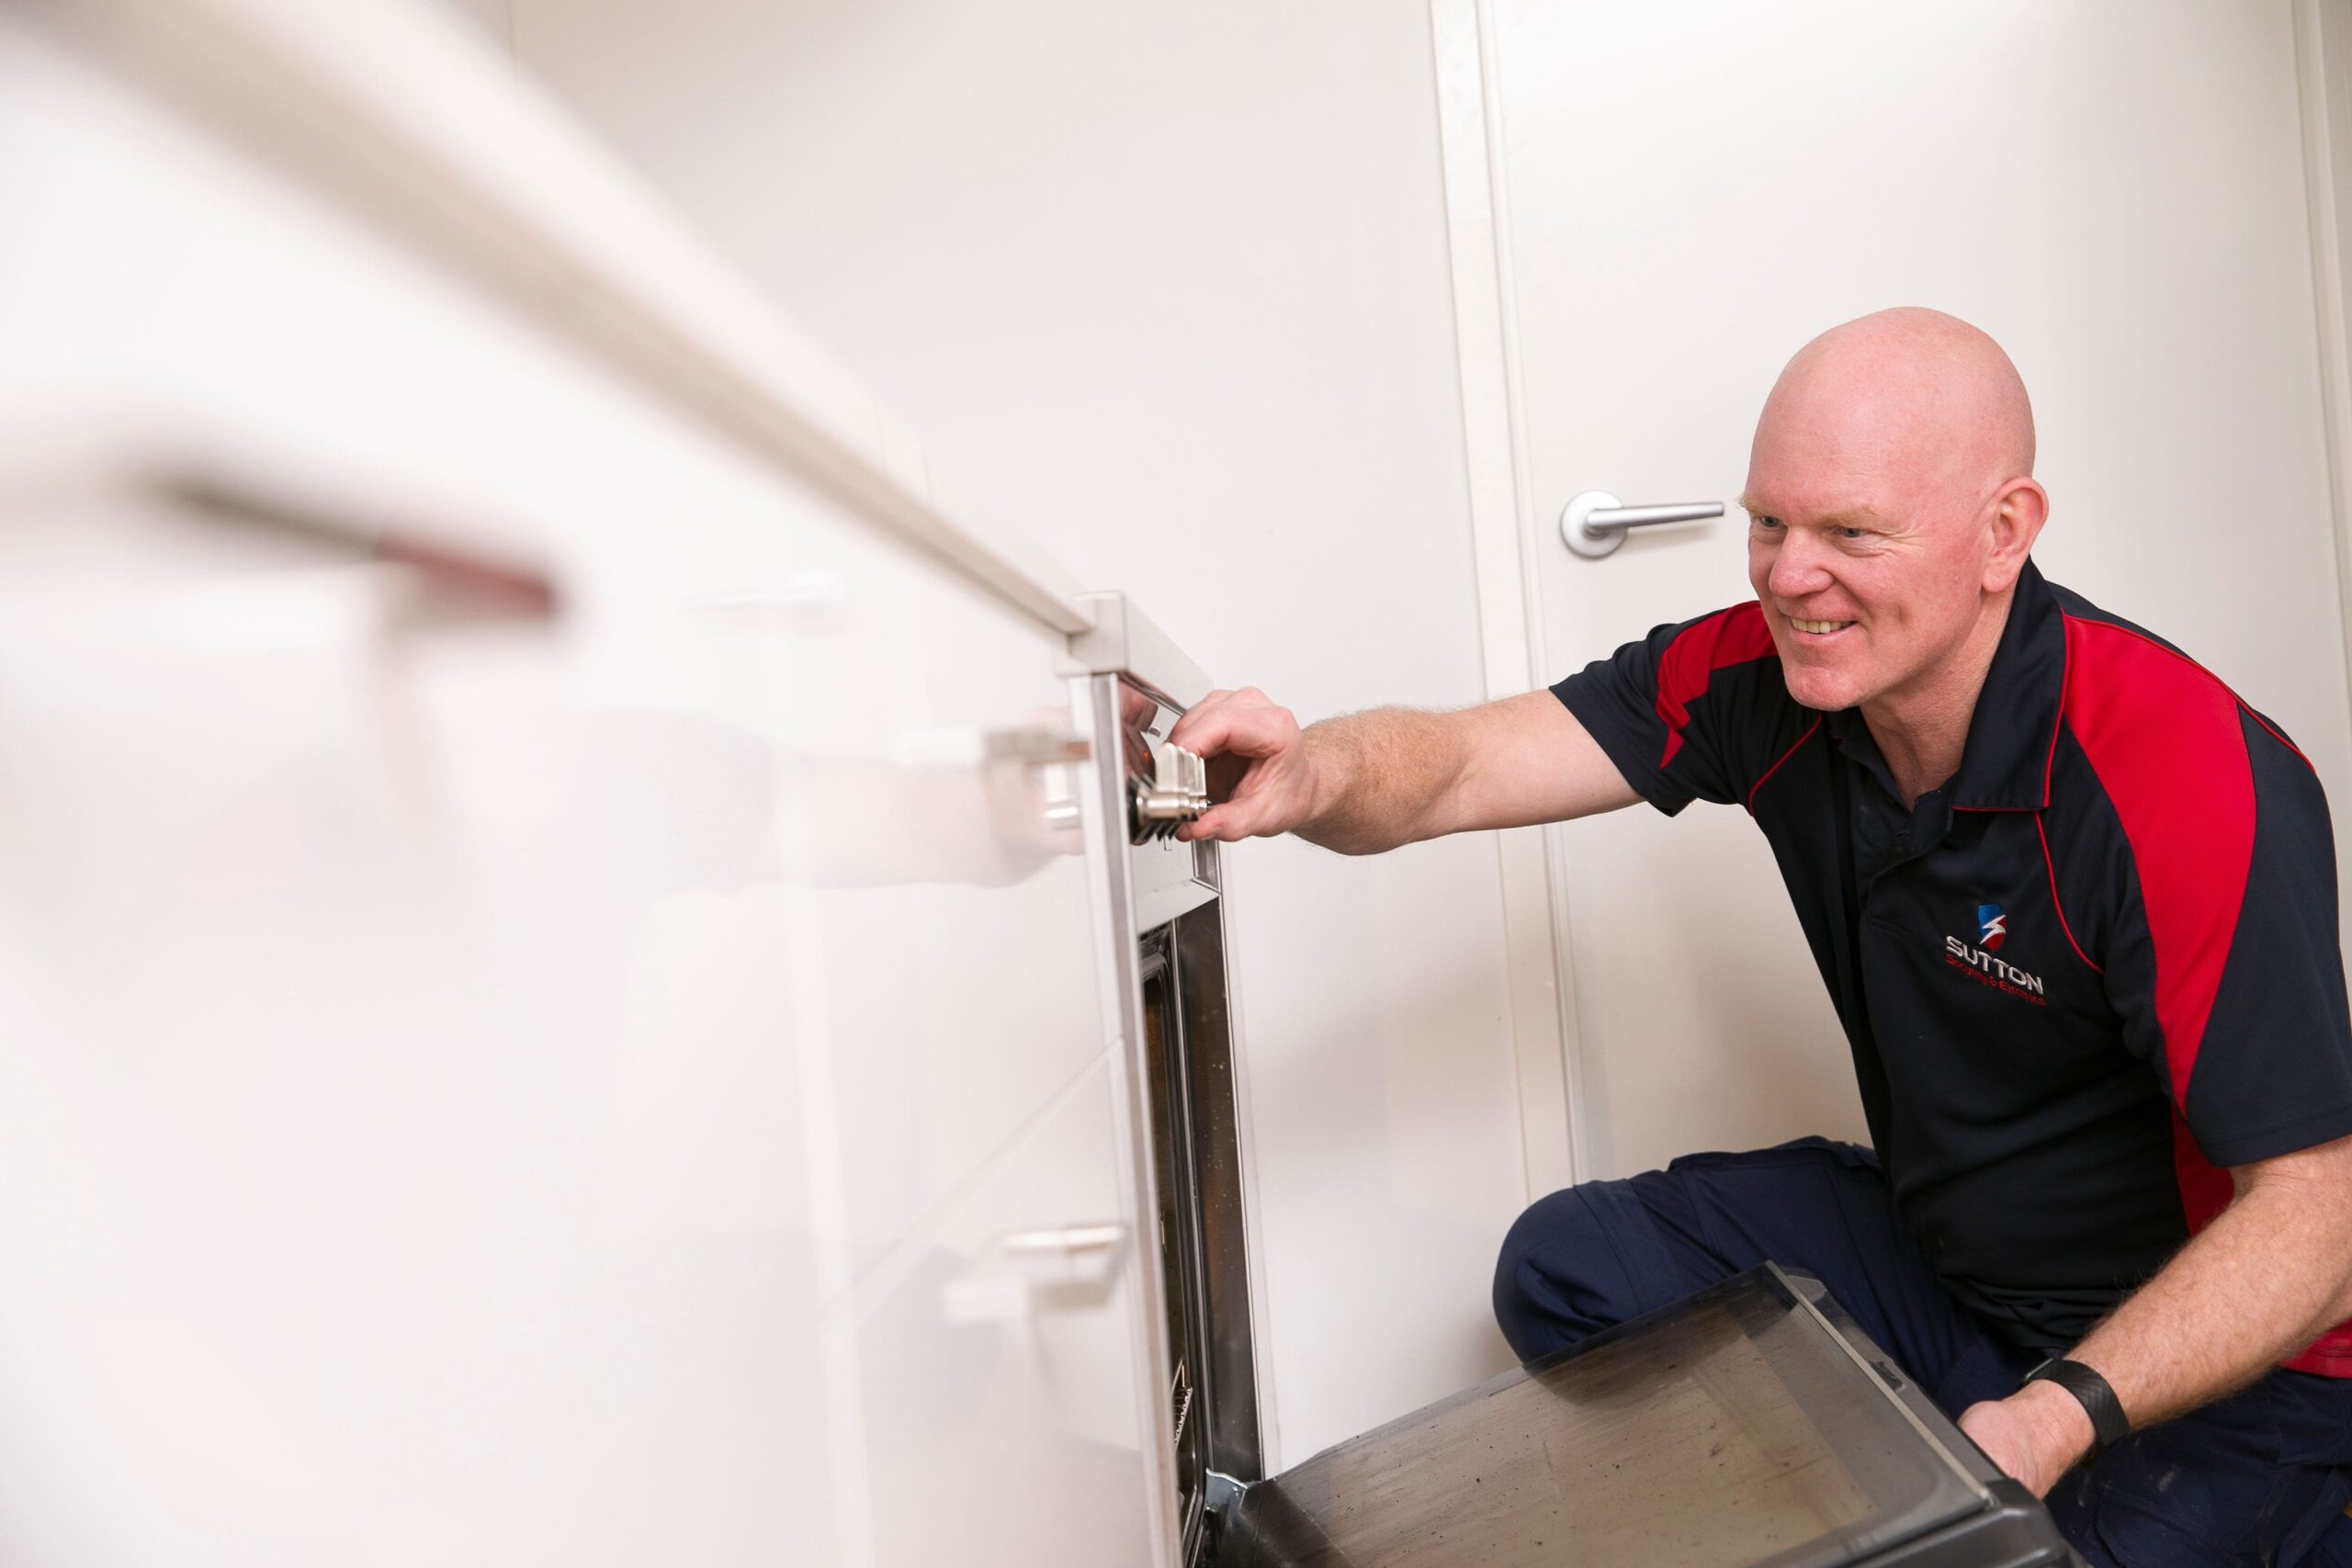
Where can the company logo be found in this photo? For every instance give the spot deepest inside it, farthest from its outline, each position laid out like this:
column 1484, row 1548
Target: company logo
column 1992, row 927
column 1978, row 962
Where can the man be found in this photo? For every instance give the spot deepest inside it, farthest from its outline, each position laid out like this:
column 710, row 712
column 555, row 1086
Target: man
column 2076, row 906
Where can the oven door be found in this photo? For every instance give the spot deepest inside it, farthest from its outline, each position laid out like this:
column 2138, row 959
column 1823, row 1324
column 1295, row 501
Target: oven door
column 1751, row 1424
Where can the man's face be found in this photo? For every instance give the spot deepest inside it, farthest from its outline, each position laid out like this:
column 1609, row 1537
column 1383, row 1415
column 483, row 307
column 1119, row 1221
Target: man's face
column 1869, row 568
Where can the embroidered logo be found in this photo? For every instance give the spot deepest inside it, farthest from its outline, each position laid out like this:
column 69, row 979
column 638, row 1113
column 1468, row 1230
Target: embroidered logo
column 1977, row 960
column 1992, row 927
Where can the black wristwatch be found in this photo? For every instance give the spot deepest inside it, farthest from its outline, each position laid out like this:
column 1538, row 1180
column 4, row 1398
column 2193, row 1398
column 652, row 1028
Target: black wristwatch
column 2108, row 1420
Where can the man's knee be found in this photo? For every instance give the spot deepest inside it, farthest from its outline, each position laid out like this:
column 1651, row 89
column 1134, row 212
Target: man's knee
column 1561, row 1277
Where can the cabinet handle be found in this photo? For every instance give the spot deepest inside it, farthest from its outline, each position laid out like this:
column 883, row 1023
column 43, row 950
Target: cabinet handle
column 1027, row 745
column 1028, row 1272
column 453, row 582
column 1068, row 1241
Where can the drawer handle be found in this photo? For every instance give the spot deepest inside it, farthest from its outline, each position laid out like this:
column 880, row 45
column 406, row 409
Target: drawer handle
column 1068, row 1240
column 1026, row 1273
column 1028, row 746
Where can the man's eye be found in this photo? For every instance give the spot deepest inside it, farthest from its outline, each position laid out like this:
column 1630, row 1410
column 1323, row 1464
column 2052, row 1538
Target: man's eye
column 1852, row 533
column 1766, row 522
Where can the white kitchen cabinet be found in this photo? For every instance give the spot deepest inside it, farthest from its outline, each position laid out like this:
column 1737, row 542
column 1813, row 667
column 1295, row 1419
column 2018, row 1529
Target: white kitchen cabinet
column 529, row 936
column 924, row 737
column 998, row 1411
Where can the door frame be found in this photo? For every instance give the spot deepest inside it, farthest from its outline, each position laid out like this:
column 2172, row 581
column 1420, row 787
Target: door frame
column 2324, row 95
column 1547, row 1046
column 1505, row 532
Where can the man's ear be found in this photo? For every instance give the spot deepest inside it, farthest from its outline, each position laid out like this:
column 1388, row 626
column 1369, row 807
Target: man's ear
column 2018, row 510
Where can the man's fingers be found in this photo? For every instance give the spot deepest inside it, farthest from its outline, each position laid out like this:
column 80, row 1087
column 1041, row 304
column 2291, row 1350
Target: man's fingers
column 1225, row 772
column 1193, row 717
column 1245, row 723
column 1238, row 732
column 1218, row 823
column 1247, row 817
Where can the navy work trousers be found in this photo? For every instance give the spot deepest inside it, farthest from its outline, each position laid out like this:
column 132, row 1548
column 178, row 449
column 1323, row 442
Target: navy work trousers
column 2260, row 1477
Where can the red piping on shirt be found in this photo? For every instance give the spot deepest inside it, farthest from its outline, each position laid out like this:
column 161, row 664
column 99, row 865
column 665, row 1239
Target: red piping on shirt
column 2275, row 735
column 2065, row 679
column 2064, row 924
column 1784, row 757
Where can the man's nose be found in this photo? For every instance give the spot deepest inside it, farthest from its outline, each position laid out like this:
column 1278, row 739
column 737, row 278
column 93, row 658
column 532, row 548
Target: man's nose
column 1799, row 566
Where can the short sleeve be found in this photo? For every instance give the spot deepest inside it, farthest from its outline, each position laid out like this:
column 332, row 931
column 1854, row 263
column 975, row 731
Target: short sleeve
column 2224, row 963
column 1695, row 711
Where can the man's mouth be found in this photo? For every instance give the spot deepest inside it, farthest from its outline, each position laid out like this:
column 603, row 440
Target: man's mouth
column 1818, row 628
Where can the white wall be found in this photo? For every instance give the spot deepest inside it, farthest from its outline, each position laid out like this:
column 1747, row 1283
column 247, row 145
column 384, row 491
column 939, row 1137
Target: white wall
column 1167, row 286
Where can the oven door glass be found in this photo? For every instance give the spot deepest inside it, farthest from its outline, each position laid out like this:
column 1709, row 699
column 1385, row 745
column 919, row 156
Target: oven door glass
column 1177, row 1184
column 1734, row 1429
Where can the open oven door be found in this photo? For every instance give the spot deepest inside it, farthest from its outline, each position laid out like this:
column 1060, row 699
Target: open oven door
column 1747, row 1426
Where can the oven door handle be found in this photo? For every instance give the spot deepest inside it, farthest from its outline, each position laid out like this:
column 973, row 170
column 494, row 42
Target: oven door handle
column 1027, row 1272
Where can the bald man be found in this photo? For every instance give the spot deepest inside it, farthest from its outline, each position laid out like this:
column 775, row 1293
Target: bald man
column 2075, row 903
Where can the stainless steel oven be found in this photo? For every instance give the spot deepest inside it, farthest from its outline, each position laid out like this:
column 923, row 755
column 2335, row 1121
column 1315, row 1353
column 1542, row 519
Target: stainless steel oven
column 1752, row 1426
column 1168, row 983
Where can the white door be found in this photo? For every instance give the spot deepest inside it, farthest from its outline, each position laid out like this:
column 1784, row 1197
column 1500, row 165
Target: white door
column 2114, row 190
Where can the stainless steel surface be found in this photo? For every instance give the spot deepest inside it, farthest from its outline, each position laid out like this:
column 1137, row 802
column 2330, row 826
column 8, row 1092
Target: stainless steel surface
column 1124, row 641
column 1176, row 792
column 1593, row 524
column 1732, row 1430
column 1103, row 704
column 1182, row 1129
column 1165, row 877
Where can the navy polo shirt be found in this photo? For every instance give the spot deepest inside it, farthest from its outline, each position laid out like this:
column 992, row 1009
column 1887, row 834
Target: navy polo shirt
column 2094, row 970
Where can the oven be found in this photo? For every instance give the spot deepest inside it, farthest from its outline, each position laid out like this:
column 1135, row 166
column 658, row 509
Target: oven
column 1751, row 1426
column 1167, row 984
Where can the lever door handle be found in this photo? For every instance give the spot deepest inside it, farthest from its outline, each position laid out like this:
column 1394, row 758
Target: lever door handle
column 1594, row 525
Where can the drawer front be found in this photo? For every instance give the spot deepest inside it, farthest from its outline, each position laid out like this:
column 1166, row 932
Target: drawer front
column 993, row 1366
column 929, row 819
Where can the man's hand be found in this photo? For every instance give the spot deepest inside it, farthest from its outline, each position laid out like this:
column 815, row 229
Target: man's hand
column 2036, row 1435
column 1369, row 781
column 1259, row 771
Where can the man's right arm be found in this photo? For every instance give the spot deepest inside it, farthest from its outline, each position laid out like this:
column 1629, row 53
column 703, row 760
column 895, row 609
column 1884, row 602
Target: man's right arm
column 1373, row 781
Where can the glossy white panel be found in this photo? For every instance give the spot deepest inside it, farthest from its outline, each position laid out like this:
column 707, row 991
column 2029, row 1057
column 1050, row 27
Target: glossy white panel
column 404, row 1155
column 999, row 1433
column 951, row 917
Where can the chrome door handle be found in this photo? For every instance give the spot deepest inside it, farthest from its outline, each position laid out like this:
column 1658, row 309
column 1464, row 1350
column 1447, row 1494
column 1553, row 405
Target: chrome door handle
column 1177, row 792
column 1594, row 525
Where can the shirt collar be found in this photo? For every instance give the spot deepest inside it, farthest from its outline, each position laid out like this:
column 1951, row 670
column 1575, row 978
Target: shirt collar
column 2005, row 765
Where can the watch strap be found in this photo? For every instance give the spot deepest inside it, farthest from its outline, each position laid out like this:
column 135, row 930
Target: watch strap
column 2108, row 1420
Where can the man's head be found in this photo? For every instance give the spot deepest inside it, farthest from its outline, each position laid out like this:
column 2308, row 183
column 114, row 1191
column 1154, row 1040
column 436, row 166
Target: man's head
column 1892, row 502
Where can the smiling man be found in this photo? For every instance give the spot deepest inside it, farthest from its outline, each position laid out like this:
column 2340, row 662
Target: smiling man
column 2075, row 903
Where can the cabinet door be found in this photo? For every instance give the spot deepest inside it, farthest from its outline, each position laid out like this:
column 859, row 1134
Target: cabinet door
column 997, row 1400
column 924, row 737
column 402, row 1136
